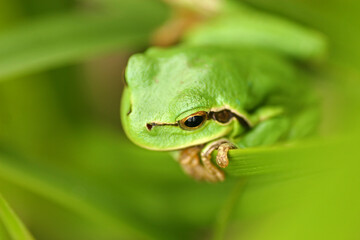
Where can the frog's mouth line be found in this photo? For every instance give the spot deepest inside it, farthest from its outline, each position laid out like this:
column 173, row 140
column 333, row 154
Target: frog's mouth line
column 149, row 126
column 218, row 116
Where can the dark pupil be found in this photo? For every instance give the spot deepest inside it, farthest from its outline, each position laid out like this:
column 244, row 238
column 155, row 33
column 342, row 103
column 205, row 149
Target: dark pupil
column 194, row 121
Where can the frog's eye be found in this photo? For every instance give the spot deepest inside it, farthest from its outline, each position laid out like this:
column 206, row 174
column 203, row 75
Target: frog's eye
column 194, row 121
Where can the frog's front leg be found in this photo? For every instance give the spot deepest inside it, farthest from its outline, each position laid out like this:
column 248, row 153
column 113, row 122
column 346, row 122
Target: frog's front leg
column 189, row 160
column 223, row 146
column 196, row 161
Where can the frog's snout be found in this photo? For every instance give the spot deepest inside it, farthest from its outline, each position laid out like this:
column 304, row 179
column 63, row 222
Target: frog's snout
column 149, row 126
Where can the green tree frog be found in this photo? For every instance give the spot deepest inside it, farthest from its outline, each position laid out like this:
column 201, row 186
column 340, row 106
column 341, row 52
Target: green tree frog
column 234, row 82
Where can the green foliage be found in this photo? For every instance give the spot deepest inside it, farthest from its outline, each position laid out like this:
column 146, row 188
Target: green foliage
column 251, row 28
column 72, row 37
column 81, row 179
column 15, row 227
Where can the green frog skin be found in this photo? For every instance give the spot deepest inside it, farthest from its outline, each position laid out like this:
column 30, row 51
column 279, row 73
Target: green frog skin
column 198, row 99
column 233, row 82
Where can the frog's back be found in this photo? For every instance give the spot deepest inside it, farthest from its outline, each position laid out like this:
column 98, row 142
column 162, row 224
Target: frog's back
column 240, row 78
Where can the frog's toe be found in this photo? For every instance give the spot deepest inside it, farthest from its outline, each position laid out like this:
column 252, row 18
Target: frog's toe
column 200, row 167
column 189, row 160
column 222, row 159
column 223, row 146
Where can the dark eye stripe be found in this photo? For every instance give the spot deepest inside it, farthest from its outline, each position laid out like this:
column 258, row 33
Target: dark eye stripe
column 223, row 116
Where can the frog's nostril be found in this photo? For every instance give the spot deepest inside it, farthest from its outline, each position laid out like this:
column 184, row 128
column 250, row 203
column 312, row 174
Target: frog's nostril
column 149, row 126
column 130, row 110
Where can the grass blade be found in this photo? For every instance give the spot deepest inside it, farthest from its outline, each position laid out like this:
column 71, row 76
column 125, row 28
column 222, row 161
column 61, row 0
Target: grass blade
column 50, row 184
column 13, row 224
column 225, row 212
column 71, row 37
column 291, row 158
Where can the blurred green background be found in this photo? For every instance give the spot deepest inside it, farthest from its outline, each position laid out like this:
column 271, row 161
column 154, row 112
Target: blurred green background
column 68, row 171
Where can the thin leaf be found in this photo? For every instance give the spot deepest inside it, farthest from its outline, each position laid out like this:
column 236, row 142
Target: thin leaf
column 51, row 185
column 56, row 40
column 15, row 227
column 291, row 158
column 225, row 212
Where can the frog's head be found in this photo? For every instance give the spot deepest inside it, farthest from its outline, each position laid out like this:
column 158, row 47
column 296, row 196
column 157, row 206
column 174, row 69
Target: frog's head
column 174, row 99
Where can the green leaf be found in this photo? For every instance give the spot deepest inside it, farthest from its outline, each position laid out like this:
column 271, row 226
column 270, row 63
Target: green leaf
column 72, row 37
column 290, row 159
column 13, row 224
column 225, row 212
column 59, row 188
column 241, row 26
